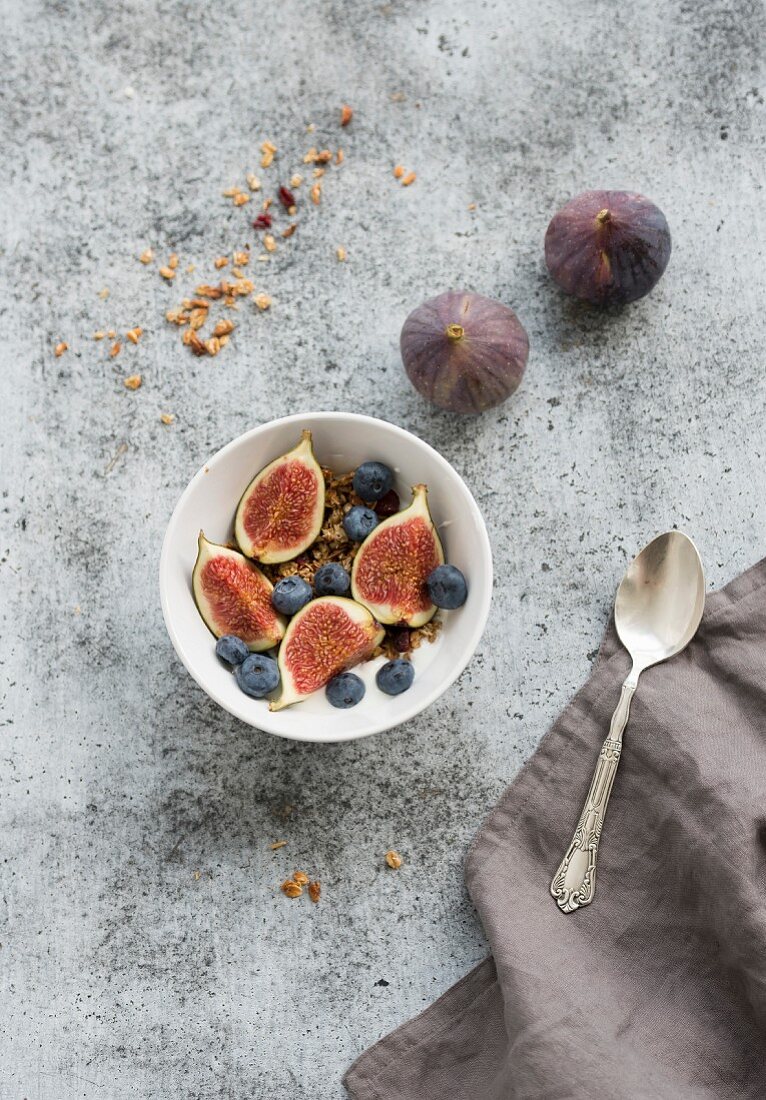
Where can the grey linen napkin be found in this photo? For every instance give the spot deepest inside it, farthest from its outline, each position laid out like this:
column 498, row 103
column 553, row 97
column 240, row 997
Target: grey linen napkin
column 658, row 988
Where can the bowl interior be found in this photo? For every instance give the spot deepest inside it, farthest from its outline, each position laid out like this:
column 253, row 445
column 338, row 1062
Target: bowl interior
column 342, row 442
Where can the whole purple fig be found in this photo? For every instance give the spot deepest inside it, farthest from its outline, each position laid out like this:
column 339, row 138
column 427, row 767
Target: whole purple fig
column 463, row 352
column 608, row 247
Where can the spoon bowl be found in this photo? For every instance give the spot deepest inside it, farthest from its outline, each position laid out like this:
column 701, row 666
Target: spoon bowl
column 660, row 599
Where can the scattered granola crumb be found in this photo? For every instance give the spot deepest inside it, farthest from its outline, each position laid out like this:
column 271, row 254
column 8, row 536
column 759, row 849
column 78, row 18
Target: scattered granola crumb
column 104, row 293
column 132, row 382
column 346, row 114
column 223, row 341
column 291, row 889
column 173, row 261
column 316, row 194
column 146, row 256
column 269, row 243
column 253, row 182
column 241, row 198
column 191, row 268
column 241, row 258
column 268, row 151
column 393, row 859
column 277, row 844
column 99, row 335
column 318, row 173
column 223, row 327
column 398, row 171
column 340, row 252
column 324, row 157
column 60, row 348
column 134, row 334
column 111, row 334
column 408, row 179
column 315, row 889
column 289, row 230
column 300, row 877
column 213, row 345
column 230, row 192
column 220, row 262
column 471, row 205
column 115, row 350
column 167, row 273
column 167, row 418
column 311, row 156
column 296, row 180
column 339, row 156
column 262, row 301
column 197, row 346
column 204, row 290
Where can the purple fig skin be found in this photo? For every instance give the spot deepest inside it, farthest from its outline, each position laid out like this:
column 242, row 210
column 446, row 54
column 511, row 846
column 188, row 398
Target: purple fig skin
column 608, row 247
column 463, row 352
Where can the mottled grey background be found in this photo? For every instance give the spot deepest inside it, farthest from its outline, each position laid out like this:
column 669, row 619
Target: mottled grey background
column 146, row 951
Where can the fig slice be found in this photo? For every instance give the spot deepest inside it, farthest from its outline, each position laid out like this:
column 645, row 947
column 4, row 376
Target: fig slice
column 234, row 597
column 326, row 637
column 281, row 511
column 393, row 564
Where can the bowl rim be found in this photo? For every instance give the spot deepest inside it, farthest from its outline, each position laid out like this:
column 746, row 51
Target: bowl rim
column 483, row 555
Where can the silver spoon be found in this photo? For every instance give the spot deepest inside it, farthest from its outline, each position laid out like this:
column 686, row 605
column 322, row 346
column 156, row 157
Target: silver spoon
column 657, row 611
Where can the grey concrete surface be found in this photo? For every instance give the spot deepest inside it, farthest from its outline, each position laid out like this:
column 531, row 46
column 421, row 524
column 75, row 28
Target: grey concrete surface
column 145, row 949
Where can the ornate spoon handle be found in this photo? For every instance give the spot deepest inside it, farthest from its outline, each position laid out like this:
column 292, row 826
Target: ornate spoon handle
column 574, row 883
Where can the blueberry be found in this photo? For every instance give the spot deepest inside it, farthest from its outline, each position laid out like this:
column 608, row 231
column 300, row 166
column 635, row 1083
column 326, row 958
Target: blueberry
column 358, row 522
column 446, row 587
column 395, row 676
column 231, row 649
column 331, row 580
column 345, row 690
column 257, row 675
column 372, row 480
column 290, row 595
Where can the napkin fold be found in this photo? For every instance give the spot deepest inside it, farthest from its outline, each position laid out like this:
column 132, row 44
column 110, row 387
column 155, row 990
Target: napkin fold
column 658, row 988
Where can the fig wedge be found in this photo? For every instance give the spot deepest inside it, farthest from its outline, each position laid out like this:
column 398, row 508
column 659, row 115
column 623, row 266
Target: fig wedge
column 281, row 511
column 393, row 564
column 234, row 597
column 326, row 637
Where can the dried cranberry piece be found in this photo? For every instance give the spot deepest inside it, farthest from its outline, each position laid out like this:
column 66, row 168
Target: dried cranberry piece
column 401, row 639
column 388, row 505
column 263, row 221
column 287, row 198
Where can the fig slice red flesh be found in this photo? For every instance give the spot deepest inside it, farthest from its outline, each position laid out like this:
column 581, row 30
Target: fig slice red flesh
column 281, row 511
column 327, row 636
column 234, row 597
column 393, row 564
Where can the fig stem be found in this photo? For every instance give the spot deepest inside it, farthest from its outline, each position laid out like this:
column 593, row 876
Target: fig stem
column 454, row 332
column 603, row 216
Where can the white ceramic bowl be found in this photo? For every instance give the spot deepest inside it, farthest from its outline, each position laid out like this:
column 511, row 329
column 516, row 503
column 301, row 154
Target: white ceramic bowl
column 341, row 441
